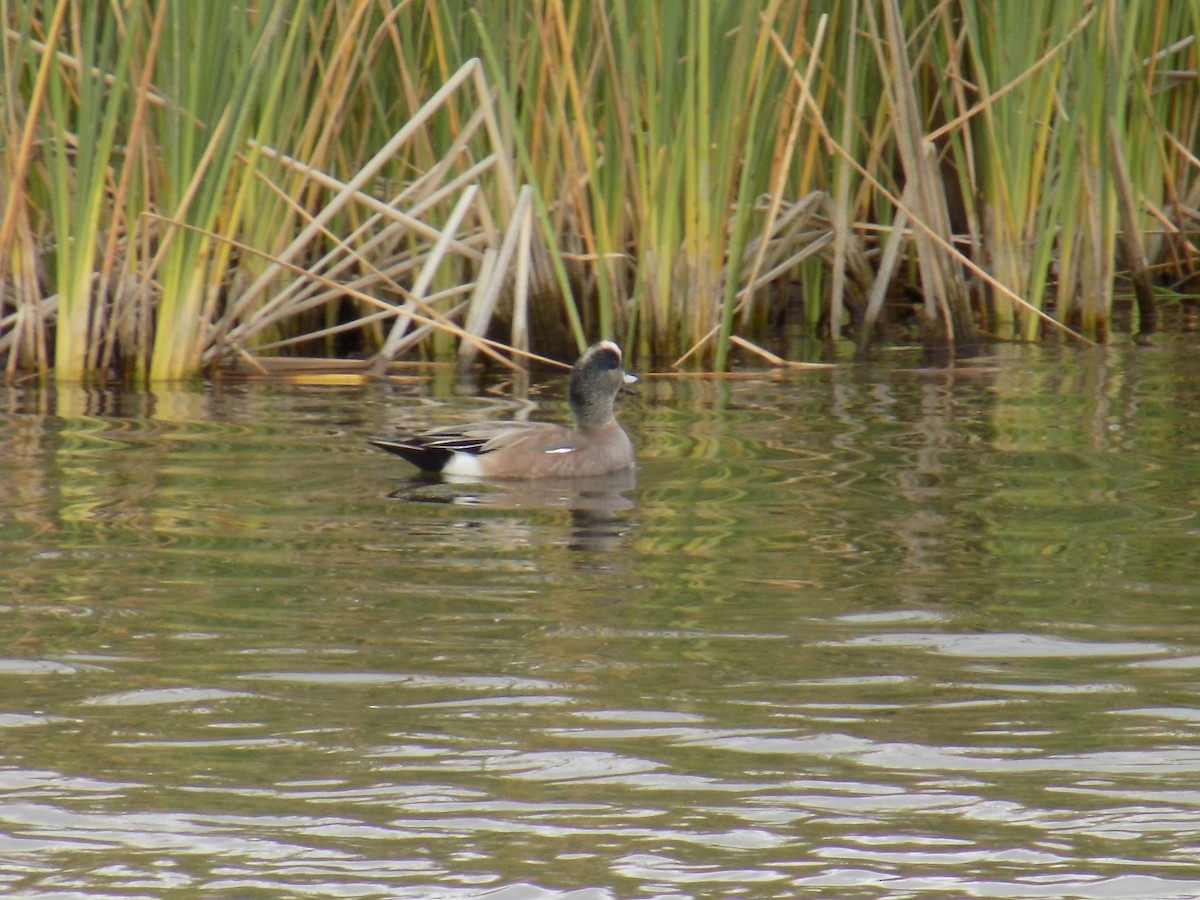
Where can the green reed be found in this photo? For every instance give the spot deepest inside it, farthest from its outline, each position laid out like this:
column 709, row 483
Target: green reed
column 1013, row 141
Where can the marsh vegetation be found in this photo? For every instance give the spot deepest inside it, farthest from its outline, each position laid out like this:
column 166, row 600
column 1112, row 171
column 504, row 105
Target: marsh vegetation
column 377, row 181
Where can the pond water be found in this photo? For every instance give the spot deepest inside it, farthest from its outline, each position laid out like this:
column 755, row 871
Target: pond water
column 872, row 631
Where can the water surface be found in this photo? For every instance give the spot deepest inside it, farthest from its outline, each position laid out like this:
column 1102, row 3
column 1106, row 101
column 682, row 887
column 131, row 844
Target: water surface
column 877, row 631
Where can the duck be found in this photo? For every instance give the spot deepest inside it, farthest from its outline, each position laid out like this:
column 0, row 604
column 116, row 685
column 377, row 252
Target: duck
column 596, row 445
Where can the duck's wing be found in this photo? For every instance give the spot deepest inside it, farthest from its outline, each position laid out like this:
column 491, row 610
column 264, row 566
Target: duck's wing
column 431, row 450
column 534, row 437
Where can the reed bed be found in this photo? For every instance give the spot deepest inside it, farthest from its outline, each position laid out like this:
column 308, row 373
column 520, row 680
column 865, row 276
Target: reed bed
column 444, row 179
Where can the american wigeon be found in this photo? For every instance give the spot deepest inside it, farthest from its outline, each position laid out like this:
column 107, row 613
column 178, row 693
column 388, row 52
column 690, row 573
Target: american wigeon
column 595, row 446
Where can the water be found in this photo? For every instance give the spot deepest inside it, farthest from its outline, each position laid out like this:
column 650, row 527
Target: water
column 868, row 632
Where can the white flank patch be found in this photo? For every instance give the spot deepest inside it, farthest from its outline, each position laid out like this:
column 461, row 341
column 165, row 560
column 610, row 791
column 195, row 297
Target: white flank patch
column 561, row 450
column 463, row 464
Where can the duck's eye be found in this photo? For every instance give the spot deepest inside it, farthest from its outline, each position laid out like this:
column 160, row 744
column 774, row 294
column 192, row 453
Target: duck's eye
column 610, row 360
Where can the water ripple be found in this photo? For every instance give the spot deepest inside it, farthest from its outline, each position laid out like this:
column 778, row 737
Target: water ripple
column 1000, row 645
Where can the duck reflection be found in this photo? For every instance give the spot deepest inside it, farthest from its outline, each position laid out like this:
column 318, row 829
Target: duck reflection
column 598, row 505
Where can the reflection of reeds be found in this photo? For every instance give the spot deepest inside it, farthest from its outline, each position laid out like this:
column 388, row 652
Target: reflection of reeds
column 340, row 178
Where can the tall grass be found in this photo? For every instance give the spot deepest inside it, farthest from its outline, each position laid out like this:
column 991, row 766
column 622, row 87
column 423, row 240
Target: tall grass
column 1016, row 82
column 443, row 178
